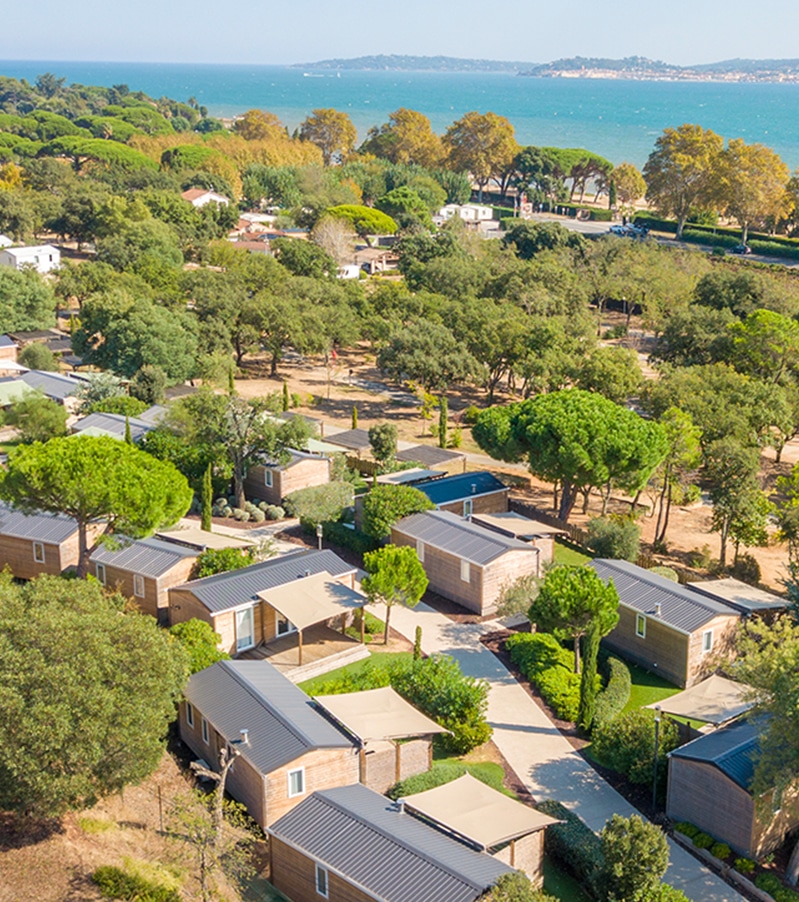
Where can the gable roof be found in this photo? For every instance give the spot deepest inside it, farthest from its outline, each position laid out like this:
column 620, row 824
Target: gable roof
column 281, row 720
column 731, row 749
column 429, row 455
column 224, row 591
column 392, row 855
column 145, row 557
column 31, row 250
column 51, row 384
column 354, row 439
column 113, row 424
column 464, row 485
column 448, row 532
column 680, row 608
column 5, row 340
column 40, row 527
column 152, row 415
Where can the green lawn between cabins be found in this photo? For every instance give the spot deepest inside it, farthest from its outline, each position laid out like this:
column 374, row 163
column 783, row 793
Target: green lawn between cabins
column 565, row 554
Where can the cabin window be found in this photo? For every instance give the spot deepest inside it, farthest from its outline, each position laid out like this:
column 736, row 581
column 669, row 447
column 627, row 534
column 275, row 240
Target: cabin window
column 268, row 479
column 467, row 507
column 204, row 724
column 420, row 550
column 466, row 571
column 138, row 586
column 190, row 714
column 640, row 626
column 296, row 780
column 284, row 625
column 38, row 552
column 245, row 629
column 321, row 881
column 100, row 569
column 707, row 641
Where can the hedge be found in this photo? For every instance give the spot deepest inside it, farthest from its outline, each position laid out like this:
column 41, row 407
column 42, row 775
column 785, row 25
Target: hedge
column 446, row 772
column 612, row 699
column 114, row 883
column 626, row 745
column 772, row 885
column 544, row 661
column 344, row 537
column 657, row 225
column 575, row 846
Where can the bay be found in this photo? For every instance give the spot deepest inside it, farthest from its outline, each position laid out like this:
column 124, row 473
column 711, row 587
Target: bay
column 615, row 118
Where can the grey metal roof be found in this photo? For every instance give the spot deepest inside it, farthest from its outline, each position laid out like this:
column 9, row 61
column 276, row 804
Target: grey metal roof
column 739, row 595
column 113, row 423
column 152, row 415
column 731, row 749
column 466, row 540
column 428, row 455
column 355, row 439
column 51, row 528
column 228, row 590
column 282, row 721
column 680, row 607
column 7, row 342
column 393, row 855
column 464, row 485
column 145, row 557
column 51, row 384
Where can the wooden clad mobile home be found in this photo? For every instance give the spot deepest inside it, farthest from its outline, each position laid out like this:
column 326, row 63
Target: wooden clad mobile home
column 287, row 748
column 463, row 561
column 35, row 544
column 271, row 482
column 468, row 493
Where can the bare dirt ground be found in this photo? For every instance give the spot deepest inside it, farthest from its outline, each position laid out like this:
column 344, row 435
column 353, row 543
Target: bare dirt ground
column 330, row 393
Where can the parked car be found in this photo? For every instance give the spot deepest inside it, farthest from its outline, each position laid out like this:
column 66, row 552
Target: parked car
column 742, row 249
column 618, row 229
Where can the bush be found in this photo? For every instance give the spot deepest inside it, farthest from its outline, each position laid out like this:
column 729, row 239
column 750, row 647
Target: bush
column 575, row 846
column 320, row 503
column 549, row 666
column 274, row 512
column 383, row 441
column 666, row 572
column 387, row 504
column 439, row 774
column 470, row 415
column 614, row 537
column 627, row 745
column 744, row 865
column 114, row 883
column 703, row 840
column 721, row 851
column 747, row 569
column 149, row 384
column 124, row 405
column 344, row 537
column 220, row 560
column 612, row 699
column 37, row 356
column 772, row 885
column 200, row 643
column 689, row 830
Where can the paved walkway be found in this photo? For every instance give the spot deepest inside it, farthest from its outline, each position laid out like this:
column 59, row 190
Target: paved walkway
column 537, row 751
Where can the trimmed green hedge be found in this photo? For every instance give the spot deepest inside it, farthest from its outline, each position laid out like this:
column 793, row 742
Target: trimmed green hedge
column 772, row 885
column 345, row 537
column 575, row 846
column 612, row 699
column 654, row 223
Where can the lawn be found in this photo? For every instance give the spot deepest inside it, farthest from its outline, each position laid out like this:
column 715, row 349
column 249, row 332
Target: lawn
column 316, row 686
column 5, row 447
column 647, row 688
column 565, row 554
column 561, row 885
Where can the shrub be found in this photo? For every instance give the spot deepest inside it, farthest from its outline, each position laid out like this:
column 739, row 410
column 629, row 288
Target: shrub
column 200, row 643
column 747, row 569
column 37, row 356
column 220, row 560
column 611, row 700
column 614, row 537
column 574, row 845
column 636, row 854
column 149, row 384
column 386, row 504
column 665, row 572
column 124, row 405
column 627, row 745
column 703, row 840
column 689, row 830
column 549, row 666
column 114, row 883
column 772, row 885
column 470, row 415
column 744, row 865
column 274, row 512
column 721, row 851
column 383, row 440
column 343, row 536
column 319, row 503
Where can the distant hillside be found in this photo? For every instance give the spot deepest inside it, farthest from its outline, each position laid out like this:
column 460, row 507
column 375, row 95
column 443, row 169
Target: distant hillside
column 417, row 63
column 639, row 67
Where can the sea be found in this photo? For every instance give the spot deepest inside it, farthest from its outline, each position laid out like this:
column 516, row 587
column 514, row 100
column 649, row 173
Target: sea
column 619, row 119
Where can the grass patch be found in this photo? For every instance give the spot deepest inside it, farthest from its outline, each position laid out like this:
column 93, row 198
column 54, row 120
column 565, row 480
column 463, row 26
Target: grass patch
column 561, row 885
column 316, row 686
column 647, row 688
column 95, row 825
column 565, row 554
column 447, row 769
column 5, row 447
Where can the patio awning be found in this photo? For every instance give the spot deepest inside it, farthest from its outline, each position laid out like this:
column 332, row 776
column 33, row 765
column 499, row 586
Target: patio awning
column 378, row 714
column 715, row 700
column 313, row 599
column 477, row 812
column 199, row 538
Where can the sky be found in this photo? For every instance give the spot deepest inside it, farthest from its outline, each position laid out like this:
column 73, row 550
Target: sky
column 297, row 31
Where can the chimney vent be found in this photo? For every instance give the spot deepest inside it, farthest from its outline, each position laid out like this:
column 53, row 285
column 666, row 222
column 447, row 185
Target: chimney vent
column 474, row 488
column 657, row 609
column 401, row 806
column 245, row 737
column 307, row 572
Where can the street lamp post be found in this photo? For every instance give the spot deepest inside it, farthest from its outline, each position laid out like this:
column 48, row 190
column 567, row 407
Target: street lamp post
column 319, row 533
column 655, row 762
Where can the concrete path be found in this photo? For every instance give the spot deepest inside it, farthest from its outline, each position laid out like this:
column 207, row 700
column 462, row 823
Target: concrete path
column 536, row 750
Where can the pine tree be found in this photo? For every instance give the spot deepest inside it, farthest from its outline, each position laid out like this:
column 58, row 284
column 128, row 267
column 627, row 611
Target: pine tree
column 206, row 497
column 442, row 422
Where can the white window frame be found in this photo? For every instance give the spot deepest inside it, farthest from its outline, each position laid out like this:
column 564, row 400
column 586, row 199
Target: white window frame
column 204, row 726
column 249, row 611
column 640, row 626
column 138, row 585
column 269, row 478
column 283, row 626
column 289, row 775
column 99, row 569
column 420, row 550
column 190, row 714
column 38, row 552
column 468, row 507
column 324, row 891
column 466, row 571
column 707, row 646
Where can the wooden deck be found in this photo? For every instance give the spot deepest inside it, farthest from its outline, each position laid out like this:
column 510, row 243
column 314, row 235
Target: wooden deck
column 323, row 650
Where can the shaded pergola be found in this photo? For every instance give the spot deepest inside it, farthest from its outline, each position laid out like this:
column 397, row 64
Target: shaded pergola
column 313, row 599
column 714, row 701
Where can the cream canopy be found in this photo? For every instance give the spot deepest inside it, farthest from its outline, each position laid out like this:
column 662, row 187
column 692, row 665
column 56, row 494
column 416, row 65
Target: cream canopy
column 715, row 700
column 313, row 599
column 477, row 812
column 378, row 714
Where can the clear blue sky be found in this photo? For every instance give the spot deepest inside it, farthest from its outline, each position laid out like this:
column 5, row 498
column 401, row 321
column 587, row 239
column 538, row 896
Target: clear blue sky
column 270, row 32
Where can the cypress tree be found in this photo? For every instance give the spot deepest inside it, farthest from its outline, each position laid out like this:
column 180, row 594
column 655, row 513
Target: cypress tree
column 231, row 382
column 354, row 417
column 286, row 399
column 206, row 498
column 442, row 422
column 128, row 438
column 417, row 644
column 588, row 689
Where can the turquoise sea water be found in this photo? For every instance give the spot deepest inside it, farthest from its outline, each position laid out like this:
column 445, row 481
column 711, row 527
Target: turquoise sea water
column 618, row 119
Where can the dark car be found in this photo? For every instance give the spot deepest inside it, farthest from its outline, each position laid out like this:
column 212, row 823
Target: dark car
column 742, row 249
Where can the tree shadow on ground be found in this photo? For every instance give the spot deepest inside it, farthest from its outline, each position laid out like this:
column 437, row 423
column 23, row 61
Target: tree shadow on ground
column 17, row 832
